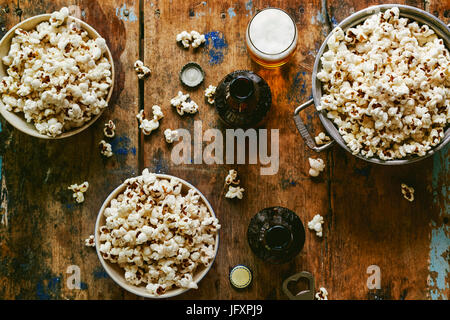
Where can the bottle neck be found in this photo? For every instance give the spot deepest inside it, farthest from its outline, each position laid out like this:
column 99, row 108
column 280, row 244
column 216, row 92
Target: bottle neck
column 278, row 238
column 241, row 88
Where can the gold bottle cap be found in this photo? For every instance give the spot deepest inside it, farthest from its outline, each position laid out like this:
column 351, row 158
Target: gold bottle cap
column 240, row 277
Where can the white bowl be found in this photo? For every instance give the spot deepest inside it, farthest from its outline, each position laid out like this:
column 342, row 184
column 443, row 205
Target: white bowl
column 117, row 273
column 16, row 119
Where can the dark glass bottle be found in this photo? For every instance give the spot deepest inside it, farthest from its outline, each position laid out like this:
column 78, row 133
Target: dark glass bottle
column 276, row 235
column 243, row 99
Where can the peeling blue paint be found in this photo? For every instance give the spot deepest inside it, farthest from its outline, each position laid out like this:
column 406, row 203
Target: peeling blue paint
column 298, row 82
column 440, row 242
column 216, row 39
column 120, row 12
column 217, row 45
column 121, row 146
column 49, row 291
column 365, row 171
column 249, row 7
column 160, row 166
column 100, row 273
column 231, row 13
column 200, row 14
column 285, row 183
column 334, row 21
column 438, row 263
column 318, row 18
column 215, row 57
column 70, row 206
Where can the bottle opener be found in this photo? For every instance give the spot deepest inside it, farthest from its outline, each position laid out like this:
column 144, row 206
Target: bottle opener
column 302, row 295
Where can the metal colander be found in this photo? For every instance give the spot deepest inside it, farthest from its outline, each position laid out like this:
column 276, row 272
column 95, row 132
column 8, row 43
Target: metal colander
column 422, row 17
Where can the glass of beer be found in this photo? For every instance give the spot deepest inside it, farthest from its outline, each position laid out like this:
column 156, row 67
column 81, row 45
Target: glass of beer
column 271, row 37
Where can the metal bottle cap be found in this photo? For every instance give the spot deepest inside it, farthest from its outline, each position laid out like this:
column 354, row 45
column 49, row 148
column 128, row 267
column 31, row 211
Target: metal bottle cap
column 192, row 75
column 240, row 277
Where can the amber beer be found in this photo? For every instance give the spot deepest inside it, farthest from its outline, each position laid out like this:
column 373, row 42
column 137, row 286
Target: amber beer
column 271, row 37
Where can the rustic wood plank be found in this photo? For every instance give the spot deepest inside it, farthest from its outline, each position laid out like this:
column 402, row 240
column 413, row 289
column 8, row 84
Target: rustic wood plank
column 8, row 18
column 290, row 86
column 46, row 228
column 377, row 226
column 440, row 9
column 439, row 287
column 367, row 220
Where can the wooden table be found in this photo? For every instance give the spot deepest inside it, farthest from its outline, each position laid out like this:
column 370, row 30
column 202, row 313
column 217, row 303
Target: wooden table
column 367, row 221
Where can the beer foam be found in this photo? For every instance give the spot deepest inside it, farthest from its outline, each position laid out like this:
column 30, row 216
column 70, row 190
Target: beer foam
column 272, row 31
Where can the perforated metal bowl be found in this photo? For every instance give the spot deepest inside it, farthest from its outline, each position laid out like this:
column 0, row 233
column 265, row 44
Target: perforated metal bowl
column 357, row 18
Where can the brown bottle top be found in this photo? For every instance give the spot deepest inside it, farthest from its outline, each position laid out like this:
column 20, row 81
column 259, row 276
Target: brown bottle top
column 276, row 235
column 243, row 99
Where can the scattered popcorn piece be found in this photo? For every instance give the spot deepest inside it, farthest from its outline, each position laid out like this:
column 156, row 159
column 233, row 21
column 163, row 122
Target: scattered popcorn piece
column 316, row 166
column 195, row 37
column 322, row 138
column 184, row 104
column 235, row 192
column 57, row 18
column 316, row 224
column 105, row 149
column 322, row 294
column 157, row 112
column 188, row 107
column 90, row 242
column 158, row 234
column 232, row 178
column 408, row 192
column 56, row 75
column 171, row 135
column 141, row 116
column 185, row 38
column 79, row 197
column 180, row 98
column 146, row 125
column 210, row 93
column 141, row 70
column 385, row 86
column 109, row 129
column 198, row 39
column 79, row 190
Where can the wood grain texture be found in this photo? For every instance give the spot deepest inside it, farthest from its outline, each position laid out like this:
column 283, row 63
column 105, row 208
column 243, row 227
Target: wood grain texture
column 371, row 223
column 290, row 187
column 46, row 229
column 367, row 221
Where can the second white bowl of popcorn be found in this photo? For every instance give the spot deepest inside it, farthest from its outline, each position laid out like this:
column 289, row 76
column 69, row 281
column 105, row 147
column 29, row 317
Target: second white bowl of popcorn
column 156, row 235
column 56, row 75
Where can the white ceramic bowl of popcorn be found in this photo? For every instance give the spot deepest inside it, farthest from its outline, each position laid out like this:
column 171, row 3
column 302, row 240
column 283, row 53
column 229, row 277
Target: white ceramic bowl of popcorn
column 17, row 120
column 117, row 273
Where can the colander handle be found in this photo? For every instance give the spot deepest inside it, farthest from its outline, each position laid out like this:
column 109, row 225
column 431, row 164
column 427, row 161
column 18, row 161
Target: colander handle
column 304, row 131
